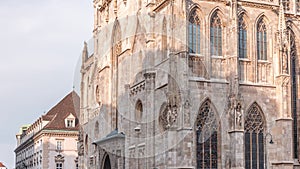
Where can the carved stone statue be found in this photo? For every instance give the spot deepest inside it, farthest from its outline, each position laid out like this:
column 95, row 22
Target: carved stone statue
column 235, row 113
column 284, row 60
column 171, row 115
column 238, row 115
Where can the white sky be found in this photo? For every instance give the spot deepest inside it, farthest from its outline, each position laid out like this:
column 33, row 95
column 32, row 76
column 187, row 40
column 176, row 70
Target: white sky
column 40, row 44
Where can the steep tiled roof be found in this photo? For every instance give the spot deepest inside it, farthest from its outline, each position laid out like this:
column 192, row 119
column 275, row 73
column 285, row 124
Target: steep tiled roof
column 1, row 165
column 68, row 105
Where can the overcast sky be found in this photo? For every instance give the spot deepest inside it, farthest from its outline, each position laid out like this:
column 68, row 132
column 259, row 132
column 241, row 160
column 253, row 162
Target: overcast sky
column 40, row 43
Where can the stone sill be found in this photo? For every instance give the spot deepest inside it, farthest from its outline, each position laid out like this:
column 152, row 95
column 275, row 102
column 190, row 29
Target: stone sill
column 282, row 162
column 257, row 84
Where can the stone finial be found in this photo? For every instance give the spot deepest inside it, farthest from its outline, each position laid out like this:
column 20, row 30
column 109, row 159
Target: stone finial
column 84, row 51
column 282, row 25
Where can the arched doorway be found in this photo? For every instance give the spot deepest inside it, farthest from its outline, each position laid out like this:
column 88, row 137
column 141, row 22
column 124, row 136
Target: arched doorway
column 107, row 163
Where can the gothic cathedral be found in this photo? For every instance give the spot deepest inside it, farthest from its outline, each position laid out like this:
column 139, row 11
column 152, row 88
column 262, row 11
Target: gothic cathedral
column 191, row 84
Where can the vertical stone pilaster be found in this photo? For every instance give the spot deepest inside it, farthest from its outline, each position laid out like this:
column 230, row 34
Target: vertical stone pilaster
column 280, row 154
column 237, row 156
column 149, row 151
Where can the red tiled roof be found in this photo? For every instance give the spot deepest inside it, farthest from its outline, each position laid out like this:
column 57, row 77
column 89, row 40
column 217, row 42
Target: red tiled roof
column 68, row 105
column 1, row 165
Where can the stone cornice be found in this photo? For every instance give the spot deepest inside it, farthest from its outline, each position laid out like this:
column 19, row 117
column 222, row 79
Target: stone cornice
column 160, row 5
column 259, row 5
column 41, row 133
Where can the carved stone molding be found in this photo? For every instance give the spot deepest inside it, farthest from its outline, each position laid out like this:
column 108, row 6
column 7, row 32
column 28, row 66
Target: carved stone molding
column 137, row 88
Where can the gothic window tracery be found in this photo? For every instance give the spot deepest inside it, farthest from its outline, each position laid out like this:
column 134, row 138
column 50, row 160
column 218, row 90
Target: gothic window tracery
column 215, row 35
column 261, row 40
column 286, row 5
column 207, row 137
column 194, row 32
column 242, row 37
column 254, row 138
column 117, row 44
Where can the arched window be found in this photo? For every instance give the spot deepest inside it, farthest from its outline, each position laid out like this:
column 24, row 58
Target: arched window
column 215, row 35
column 261, row 40
column 138, row 111
column 254, row 138
column 286, row 5
column 293, row 55
column 96, row 131
column 194, row 32
column 242, row 37
column 116, row 39
column 164, row 39
column 86, row 145
column 207, row 137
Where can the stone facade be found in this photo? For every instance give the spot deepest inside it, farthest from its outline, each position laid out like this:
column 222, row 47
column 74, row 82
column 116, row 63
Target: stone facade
column 191, row 84
column 51, row 141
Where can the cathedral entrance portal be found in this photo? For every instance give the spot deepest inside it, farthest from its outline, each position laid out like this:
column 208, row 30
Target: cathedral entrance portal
column 106, row 163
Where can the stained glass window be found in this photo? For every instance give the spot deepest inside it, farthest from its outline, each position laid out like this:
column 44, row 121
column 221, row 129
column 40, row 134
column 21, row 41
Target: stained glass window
column 194, row 32
column 242, row 38
column 207, row 137
column 254, row 138
column 261, row 40
column 215, row 35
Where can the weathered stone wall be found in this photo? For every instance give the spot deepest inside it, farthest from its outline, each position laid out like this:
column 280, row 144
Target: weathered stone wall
column 141, row 56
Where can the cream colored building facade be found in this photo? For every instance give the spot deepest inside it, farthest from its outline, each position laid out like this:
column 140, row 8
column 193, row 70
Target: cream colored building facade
column 51, row 141
column 191, row 84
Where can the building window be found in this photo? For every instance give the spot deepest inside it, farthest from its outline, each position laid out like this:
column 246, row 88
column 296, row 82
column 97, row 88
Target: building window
column 286, row 5
column 58, row 145
column 261, row 40
column 242, row 37
column 59, row 166
column 215, row 35
column 96, row 131
column 70, row 123
column 194, row 32
column 207, row 137
column 77, row 166
column 138, row 111
column 293, row 55
column 164, row 41
column 254, row 138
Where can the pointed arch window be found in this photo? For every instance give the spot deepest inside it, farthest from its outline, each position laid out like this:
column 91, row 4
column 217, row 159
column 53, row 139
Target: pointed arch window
column 215, row 35
column 254, row 138
column 117, row 44
column 138, row 111
column 293, row 55
column 207, row 137
column 164, row 39
column 96, row 131
column 194, row 32
column 261, row 40
column 242, row 38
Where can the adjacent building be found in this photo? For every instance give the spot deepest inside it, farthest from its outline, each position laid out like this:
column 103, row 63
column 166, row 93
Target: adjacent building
column 2, row 166
column 51, row 141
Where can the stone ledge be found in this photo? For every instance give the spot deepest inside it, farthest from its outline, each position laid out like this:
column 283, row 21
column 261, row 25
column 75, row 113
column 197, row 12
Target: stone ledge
column 282, row 162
